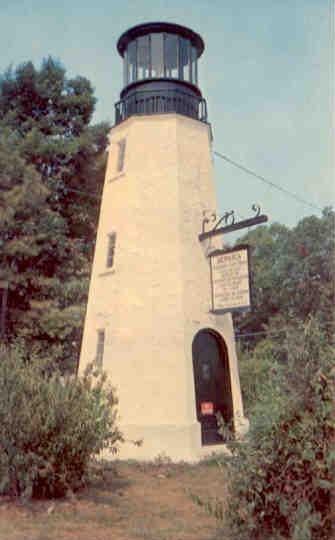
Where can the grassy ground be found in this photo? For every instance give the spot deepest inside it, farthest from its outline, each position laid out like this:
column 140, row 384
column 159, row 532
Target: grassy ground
column 132, row 502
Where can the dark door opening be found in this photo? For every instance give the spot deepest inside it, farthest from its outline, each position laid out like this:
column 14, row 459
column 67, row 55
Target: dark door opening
column 212, row 384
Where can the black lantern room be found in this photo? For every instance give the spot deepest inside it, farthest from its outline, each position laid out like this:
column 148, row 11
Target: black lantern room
column 160, row 71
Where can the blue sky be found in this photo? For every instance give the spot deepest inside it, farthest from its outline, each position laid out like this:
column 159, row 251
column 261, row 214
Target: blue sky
column 266, row 74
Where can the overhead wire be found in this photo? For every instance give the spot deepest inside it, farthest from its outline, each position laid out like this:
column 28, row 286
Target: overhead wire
column 242, row 168
column 239, row 335
column 82, row 192
column 266, row 181
column 248, row 334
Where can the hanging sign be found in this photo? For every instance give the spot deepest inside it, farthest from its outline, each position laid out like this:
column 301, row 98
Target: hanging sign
column 230, row 278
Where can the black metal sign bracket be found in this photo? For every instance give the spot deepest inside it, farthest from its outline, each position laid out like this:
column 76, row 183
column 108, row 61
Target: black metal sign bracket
column 229, row 219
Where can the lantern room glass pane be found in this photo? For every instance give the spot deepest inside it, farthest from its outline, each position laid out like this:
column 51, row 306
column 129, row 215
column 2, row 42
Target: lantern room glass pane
column 125, row 68
column 157, row 57
column 143, row 58
column 131, row 53
column 184, row 59
column 194, row 66
column 171, row 55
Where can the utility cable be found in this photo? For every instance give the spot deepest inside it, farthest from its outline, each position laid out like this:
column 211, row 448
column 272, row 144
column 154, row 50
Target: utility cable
column 276, row 332
column 81, row 192
column 247, row 334
column 242, row 168
column 268, row 182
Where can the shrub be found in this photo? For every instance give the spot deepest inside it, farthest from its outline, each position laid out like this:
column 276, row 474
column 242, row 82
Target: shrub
column 281, row 479
column 50, row 426
column 258, row 374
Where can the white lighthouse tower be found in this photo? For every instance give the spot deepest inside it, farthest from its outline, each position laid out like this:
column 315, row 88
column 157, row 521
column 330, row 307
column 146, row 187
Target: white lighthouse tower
column 149, row 321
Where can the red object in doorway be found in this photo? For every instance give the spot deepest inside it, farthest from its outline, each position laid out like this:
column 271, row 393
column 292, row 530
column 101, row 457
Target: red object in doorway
column 207, row 407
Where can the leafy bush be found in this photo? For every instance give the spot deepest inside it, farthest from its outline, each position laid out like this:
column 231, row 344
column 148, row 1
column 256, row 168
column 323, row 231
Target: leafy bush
column 50, row 426
column 281, row 478
column 258, row 371
column 292, row 271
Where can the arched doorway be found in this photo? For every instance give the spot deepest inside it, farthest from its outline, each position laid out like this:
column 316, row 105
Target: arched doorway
column 212, row 383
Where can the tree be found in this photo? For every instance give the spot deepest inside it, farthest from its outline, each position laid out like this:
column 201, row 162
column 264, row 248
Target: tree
column 292, row 274
column 51, row 174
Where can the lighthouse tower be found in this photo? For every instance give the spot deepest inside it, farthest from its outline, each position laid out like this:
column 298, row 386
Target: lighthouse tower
column 149, row 322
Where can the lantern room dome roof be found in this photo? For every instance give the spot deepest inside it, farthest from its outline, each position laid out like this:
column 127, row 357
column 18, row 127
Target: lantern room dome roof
column 153, row 27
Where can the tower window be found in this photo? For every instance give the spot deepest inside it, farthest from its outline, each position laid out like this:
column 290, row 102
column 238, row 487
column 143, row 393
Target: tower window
column 111, row 250
column 121, row 154
column 100, row 347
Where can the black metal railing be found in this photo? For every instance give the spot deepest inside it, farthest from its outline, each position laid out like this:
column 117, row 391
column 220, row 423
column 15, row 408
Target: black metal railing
column 148, row 102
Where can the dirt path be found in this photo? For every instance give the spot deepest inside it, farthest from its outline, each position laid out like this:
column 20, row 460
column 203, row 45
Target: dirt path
column 138, row 502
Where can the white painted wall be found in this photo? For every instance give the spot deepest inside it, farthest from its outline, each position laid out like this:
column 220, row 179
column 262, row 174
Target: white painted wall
column 157, row 296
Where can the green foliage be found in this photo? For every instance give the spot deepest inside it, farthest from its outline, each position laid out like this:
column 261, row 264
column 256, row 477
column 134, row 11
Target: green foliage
column 51, row 174
column 50, row 425
column 258, row 371
column 281, row 477
column 225, row 429
column 292, row 274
